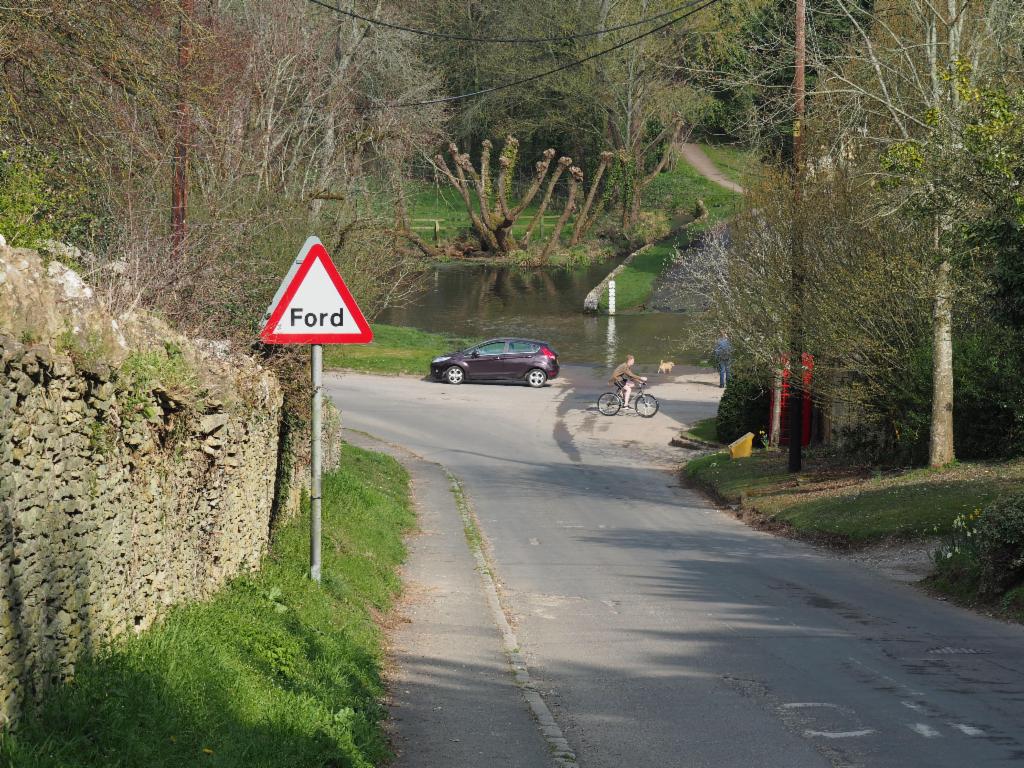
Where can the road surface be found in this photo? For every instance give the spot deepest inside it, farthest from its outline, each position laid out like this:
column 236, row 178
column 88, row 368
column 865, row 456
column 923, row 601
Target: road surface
column 660, row 631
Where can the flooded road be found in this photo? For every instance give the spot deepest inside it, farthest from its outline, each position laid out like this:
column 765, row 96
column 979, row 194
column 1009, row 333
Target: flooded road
column 481, row 300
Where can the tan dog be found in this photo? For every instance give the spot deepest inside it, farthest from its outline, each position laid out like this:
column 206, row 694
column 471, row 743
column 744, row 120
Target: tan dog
column 666, row 366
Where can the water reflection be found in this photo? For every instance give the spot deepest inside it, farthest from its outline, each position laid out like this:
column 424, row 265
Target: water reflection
column 479, row 301
column 612, row 342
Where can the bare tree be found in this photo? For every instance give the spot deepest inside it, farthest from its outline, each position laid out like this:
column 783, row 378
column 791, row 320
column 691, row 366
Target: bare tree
column 584, row 221
column 575, row 179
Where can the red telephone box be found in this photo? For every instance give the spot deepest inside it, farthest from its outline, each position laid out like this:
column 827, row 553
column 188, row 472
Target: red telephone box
column 808, row 364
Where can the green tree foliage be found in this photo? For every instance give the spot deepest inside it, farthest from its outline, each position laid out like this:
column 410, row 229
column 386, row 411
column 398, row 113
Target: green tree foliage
column 636, row 101
column 559, row 111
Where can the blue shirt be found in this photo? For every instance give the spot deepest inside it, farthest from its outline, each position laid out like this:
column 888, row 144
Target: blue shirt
column 723, row 350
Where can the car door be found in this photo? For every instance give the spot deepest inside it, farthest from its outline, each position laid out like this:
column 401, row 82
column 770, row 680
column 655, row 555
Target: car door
column 518, row 358
column 484, row 361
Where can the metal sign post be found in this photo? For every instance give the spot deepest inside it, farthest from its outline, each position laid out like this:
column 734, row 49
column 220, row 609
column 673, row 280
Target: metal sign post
column 317, row 362
column 314, row 306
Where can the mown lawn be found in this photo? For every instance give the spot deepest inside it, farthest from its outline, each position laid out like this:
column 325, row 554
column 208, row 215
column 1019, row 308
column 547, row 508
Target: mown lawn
column 274, row 671
column 394, row 350
column 853, row 504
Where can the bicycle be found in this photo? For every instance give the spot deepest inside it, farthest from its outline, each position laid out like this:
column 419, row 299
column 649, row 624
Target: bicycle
column 644, row 403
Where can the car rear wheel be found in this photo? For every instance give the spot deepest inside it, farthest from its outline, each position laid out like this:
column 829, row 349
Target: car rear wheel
column 536, row 378
column 454, row 375
column 609, row 403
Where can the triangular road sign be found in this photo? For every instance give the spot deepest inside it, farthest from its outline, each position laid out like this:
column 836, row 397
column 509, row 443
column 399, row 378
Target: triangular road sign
column 313, row 304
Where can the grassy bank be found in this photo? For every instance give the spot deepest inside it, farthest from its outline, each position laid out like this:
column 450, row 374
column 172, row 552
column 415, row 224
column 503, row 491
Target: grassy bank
column 673, row 192
column 394, row 350
column 273, row 671
column 835, row 502
column 634, row 283
column 705, row 430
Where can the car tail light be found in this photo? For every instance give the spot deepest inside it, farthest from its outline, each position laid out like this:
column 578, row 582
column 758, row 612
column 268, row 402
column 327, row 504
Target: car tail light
column 548, row 353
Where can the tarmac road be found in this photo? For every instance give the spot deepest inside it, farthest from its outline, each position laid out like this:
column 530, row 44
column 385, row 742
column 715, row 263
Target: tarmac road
column 663, row 632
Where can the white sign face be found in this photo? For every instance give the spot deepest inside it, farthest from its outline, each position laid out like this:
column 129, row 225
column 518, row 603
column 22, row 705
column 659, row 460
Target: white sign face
column 313, row 304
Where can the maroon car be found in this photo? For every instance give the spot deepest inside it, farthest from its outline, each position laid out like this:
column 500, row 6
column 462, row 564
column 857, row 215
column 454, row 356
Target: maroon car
column 495, row 359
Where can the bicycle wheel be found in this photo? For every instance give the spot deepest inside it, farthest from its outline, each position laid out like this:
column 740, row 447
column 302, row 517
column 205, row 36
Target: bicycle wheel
column 609, row 403
column 646, row 405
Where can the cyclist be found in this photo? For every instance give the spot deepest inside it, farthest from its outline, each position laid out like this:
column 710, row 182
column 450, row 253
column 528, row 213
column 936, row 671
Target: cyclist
column 624, row 377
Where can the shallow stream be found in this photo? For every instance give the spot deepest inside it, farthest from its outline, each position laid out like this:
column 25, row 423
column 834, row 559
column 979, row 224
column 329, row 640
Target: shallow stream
column 474, row 300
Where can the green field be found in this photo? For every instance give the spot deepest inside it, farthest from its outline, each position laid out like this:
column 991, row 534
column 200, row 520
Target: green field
column 853, row 504
column 274, row 671
column 394, row 350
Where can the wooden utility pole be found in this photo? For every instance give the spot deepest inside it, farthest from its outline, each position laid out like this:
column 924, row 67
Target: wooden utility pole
column 796, row 367
column 183, row 130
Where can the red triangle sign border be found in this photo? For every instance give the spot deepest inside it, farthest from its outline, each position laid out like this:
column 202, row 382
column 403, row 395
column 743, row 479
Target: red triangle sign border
column 316, row 251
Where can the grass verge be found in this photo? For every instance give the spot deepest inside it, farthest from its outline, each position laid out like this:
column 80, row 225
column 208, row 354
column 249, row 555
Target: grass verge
column 705, row 430
column 394, row 350
column 835, row 503
column 273, row 671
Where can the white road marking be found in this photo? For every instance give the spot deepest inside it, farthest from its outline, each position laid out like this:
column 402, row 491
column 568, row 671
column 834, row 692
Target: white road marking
column 807, row 704
column 860, row 663
column 970, row 730
column 924, row 730
column 535, row 542
column 840, row 734
column 912, row 705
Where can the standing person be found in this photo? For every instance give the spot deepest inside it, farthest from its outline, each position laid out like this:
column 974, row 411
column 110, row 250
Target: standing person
column 624, row 377
column 723, row 355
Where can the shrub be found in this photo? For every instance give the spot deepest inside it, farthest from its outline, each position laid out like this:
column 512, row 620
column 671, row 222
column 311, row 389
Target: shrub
column 743, row 408
column 988, row 406
column 24, row 200
column 1000, row 545
column 650, row 227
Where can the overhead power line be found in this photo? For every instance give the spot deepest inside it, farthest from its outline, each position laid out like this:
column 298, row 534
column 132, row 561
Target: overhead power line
column 700, row 6
column 508, row 40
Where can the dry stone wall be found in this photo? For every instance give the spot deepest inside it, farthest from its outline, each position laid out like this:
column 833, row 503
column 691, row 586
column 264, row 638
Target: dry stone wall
column 137, row 470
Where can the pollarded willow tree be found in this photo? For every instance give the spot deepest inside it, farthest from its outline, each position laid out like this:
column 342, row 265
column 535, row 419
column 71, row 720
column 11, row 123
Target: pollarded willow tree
column 487, row 200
